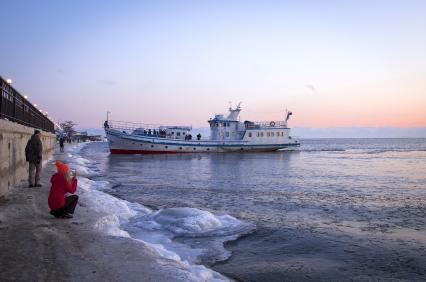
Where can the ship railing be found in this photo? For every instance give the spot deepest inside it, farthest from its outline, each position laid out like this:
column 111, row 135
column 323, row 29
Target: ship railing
column 144, row 129
column 130, row 126
column 265, row 124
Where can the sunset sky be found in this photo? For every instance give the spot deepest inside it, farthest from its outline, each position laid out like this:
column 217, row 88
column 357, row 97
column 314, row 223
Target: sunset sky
column 333, row 63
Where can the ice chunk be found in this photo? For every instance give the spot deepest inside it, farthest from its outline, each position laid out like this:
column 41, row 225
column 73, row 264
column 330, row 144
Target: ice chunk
column 194, row 222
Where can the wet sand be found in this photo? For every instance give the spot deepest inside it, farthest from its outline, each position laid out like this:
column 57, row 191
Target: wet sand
column 35, row 246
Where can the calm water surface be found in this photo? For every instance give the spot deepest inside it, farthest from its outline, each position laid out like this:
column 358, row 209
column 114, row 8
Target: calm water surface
column 336, row 210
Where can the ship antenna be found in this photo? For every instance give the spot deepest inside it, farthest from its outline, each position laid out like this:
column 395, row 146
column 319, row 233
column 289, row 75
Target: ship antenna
column 286, row 116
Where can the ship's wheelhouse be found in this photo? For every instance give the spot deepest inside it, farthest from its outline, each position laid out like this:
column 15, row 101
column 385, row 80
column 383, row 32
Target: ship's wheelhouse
column 224, row 129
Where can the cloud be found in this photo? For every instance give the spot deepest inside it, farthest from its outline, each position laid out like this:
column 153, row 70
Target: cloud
column 60, row 71
column 311, row 87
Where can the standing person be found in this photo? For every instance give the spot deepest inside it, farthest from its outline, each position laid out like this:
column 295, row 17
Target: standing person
column 61, row 144
column 33, row 155
column 62, row 206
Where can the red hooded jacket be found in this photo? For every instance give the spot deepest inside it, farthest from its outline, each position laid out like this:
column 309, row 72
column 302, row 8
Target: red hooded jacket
column 60, row 186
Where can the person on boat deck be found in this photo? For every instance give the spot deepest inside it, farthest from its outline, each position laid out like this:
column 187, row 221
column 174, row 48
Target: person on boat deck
column 62, row 204
column 198, row 136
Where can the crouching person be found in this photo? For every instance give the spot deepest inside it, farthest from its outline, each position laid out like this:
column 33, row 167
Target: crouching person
column 61, row 205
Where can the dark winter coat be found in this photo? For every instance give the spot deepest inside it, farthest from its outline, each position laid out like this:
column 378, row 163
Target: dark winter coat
column 34, row 150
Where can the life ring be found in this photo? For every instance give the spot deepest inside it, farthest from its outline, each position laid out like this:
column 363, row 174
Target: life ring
column 272, row 123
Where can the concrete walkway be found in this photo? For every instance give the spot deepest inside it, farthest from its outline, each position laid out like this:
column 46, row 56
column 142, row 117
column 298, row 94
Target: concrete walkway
column 34, row 246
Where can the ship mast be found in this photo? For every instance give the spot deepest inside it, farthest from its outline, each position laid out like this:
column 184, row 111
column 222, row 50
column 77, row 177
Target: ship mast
column 234, row 113
column 287, row 116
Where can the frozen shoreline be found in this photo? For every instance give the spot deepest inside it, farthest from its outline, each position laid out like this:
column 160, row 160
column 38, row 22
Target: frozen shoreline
column 34, row 245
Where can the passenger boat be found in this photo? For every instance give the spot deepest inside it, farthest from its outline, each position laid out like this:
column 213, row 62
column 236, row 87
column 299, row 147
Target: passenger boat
column 227, row 134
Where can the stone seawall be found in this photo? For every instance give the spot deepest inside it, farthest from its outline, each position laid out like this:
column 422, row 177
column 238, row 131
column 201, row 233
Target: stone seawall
column 13, row 139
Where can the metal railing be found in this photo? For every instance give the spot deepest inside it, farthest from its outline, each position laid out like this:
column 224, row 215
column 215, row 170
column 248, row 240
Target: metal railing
column 265, row 124
column 16, row 108
column 130, row 126
column 152, row 130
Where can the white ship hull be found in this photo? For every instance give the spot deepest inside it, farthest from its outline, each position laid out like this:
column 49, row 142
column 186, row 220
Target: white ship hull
column 124, row 143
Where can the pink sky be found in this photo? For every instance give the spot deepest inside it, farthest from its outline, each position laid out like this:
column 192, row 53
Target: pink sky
column 334, row 64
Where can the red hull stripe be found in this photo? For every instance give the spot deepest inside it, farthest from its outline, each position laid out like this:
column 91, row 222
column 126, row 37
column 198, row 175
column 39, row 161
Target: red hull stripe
column 130, row 152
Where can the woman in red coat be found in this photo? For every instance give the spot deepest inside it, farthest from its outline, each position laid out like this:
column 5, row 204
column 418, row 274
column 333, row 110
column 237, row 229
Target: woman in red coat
column 60, row 205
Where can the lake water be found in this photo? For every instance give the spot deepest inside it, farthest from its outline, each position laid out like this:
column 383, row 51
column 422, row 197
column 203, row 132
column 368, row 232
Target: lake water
column 334, row 210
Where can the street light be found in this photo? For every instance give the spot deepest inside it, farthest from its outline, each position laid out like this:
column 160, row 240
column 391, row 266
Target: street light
column 9, row 81
column 26, row 97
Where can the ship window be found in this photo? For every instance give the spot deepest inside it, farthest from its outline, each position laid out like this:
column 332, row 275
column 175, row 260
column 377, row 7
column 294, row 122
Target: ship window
column 208, row 149
column 268, row 134
column 173, row 132
column 272, row 134
column 249, row 134
column 282, row 133
column 180, row 148
column 261, row 134
column 227, row 134
column 166, row 147
column 195, row 149
column 152, row 146
column 178, row 133
column 278, row 134
column 183, row 133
